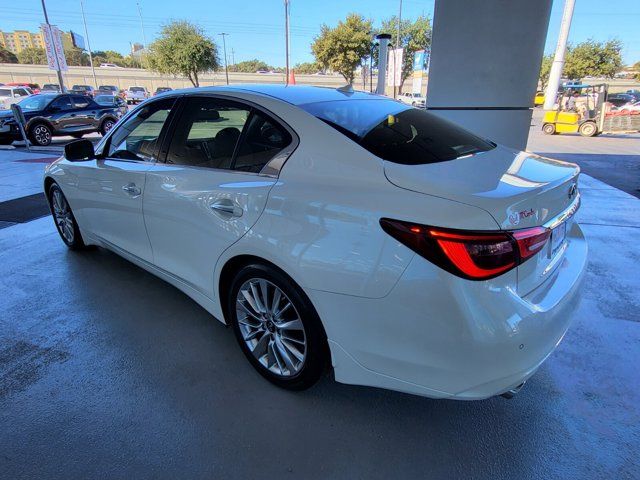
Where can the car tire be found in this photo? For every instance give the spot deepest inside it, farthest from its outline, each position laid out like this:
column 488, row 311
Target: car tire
column 106, row 126
column 64, row 219
column 40, row 134
column 549, row 128
column 285, row 342
column 588, row 129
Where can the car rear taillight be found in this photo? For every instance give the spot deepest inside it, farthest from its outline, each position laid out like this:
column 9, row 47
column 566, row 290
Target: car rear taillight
column 469, row 254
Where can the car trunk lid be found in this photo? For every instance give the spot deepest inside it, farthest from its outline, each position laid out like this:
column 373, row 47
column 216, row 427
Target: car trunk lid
column 518, row 189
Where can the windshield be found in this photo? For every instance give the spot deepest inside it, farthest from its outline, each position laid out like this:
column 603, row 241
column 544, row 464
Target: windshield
column 50, row 86
column 35, row 102
column 398, row 133
column 107, row 87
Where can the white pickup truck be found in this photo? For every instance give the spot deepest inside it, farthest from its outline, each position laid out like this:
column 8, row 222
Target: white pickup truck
column 413, row 99
column 135, row 95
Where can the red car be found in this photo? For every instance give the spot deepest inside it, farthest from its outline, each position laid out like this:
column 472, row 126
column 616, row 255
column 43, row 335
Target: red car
column 35, row 88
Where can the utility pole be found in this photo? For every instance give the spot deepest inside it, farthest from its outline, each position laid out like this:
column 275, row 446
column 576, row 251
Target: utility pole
column 395, row 57
column 144, row 37
column 224, row 47
column 233, row 56
column 58, row 71
column 558, row 60
column 286, row 41
column 86, row 34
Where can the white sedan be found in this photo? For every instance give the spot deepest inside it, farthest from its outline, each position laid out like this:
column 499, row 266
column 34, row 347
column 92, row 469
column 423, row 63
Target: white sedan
column 338, row 229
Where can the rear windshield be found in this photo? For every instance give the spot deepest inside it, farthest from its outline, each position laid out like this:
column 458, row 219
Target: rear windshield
column 398, row 133
column 136, row 89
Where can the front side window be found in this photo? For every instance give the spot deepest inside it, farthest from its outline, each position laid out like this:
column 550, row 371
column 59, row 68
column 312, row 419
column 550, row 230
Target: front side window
column 207, row 133
column 62, row 103
column 34, row 102
column 138, row 138
column 397, row 133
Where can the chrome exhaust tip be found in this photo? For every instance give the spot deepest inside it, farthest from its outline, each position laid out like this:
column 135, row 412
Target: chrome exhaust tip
column 509, row 394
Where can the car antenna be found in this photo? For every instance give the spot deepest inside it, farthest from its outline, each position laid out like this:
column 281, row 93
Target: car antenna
column 348, row 88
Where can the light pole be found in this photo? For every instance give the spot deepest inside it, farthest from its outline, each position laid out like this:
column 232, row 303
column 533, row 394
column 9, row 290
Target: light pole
column 86, row 34
column 50, row 32
column 396, row 53
column 224, row 47
column 286, row 41
column 558, row 59
column 144, row 37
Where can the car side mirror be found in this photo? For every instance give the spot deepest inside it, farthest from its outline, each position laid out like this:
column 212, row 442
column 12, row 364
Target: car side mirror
column 79, row 150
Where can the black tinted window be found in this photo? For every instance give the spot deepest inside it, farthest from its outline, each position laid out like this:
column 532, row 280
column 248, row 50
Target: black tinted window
column 63, row 103
column 207, row 133
column 138, row 137
column 262, row 140
column 397, row 132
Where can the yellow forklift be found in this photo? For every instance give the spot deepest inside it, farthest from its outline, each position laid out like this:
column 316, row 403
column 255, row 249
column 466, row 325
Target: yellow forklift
column 586, row 115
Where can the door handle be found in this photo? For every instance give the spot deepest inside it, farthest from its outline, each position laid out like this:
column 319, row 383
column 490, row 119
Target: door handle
column 132, row 190
column 226, row 209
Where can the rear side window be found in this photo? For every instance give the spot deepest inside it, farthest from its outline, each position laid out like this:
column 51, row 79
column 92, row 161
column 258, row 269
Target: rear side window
column 398, row 133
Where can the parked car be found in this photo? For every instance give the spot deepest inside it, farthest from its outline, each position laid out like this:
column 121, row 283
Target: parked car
column 112, row 101
column 87, row 90
column 135, row 95
column 107, row 90
column 620, row 99
column 413, row 99
column 109, row 65
column 33, row 87
column 630, row 107
column 343, row 229
column 50, row 115
column 9, row 95
column 50, row 88
column 162, row 90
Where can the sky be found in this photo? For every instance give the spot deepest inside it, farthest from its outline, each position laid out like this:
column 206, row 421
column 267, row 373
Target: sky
column 256, row 27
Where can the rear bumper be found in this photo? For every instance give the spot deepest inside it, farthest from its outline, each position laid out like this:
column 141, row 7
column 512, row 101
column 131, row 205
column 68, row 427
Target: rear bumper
column 440, row 336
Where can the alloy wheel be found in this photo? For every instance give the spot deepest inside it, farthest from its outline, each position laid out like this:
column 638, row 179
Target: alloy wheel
column 42, row 135
column 62, row 216
column 271, row 327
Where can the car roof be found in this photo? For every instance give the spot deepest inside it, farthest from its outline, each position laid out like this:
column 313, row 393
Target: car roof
column 293, row 94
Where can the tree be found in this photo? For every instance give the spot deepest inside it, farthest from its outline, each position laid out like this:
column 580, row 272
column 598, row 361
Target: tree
column 307, row 68
column 414, row 36
column 183, row 49
column 7, row 57
column 76, row 57
column 545, row 70
column 593, row 59
column 343, row 48
column 249, row 66
column 33, row 55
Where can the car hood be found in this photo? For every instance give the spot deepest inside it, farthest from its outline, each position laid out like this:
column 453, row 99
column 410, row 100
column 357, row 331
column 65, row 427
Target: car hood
column 519, row 189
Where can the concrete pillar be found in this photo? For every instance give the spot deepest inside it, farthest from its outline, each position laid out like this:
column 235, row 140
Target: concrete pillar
column 485, row 61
